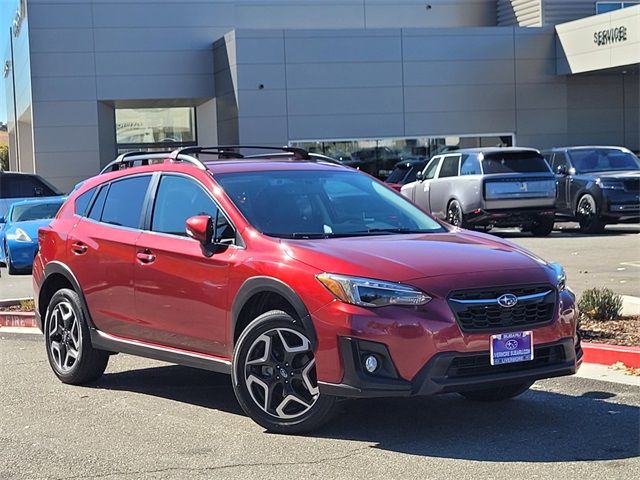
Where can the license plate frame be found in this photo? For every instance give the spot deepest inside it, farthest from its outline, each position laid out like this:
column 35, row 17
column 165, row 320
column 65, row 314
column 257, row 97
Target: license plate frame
column 512, row 347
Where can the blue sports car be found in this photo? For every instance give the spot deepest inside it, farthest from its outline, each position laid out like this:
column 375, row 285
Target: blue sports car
column 19, row 231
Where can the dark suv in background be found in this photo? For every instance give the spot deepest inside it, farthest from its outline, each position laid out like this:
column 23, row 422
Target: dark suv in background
column 596, row 185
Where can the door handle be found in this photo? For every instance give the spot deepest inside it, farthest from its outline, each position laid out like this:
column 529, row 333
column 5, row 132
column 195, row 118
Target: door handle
column 145, row 256
column 79, row 248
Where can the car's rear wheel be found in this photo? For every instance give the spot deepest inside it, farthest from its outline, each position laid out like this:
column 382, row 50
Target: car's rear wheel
column 542, row 227
column 587, row 215
column 497, row 394
column 69, row 350
column 274, row 376
column 455, row 216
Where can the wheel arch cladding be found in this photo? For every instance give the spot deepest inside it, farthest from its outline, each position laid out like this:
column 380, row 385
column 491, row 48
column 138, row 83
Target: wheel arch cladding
column 258, row 295
column 56, row 277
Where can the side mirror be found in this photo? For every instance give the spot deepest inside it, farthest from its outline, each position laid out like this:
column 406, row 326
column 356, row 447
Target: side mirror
column 562, row 170
column 419, row 176
column 200, row 228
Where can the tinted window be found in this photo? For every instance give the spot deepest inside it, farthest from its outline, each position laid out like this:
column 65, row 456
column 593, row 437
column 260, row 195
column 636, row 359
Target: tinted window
column 514, row 162
column 559, row 160
column 24, row 186
column 98, row 205
column 82, row 202
column 430, row 171
column 449, row 167
column 603, row 159
column 179, row 198
column 398, row 173
column 123, row 205
column 470, row 166
column 322, row 204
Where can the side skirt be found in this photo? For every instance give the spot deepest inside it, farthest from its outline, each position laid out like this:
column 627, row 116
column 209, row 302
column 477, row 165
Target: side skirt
column 104, row 341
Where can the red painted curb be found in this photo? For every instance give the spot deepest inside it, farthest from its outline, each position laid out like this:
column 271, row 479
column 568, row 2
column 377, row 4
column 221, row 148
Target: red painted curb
column 17, row 319
column 604, row 354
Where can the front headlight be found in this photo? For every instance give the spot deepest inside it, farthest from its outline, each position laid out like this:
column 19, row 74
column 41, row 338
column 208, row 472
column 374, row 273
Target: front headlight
column 21, row 236
column 367, row 292
column 610, row 184
column 561, row 276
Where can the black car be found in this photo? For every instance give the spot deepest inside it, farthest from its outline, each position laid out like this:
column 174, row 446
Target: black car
column 596, row 185
column 405, row 171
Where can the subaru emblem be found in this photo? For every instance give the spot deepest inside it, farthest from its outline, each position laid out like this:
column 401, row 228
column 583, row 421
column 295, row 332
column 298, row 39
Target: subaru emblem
column 507, row 300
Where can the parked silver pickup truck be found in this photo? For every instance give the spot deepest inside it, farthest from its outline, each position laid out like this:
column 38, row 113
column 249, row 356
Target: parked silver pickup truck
column 488, row 187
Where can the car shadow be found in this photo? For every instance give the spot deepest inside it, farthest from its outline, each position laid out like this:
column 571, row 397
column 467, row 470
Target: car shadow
column 569, row 232
column 538, row 426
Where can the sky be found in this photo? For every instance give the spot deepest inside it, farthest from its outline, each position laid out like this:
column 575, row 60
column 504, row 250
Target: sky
column 7, row 10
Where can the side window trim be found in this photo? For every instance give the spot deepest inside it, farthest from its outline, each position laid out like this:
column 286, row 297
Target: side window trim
column 152, row 200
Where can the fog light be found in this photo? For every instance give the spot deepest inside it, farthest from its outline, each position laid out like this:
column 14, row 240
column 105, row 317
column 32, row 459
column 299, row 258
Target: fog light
column 370, row 363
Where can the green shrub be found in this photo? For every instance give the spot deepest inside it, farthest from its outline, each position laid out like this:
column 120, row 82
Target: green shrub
column 600, row 304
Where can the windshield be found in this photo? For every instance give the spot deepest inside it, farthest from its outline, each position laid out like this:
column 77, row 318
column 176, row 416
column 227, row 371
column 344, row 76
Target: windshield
column 603, row 160
column 40, row 211
column 319, row 204
column 514, row 162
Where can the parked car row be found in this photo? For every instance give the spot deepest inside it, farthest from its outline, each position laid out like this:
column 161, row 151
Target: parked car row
column 522, row 187
column 27, row 202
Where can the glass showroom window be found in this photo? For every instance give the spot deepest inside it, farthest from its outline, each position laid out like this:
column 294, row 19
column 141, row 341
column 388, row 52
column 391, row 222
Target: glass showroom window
column 604, row 7
column 155, row 128
column 378, row 157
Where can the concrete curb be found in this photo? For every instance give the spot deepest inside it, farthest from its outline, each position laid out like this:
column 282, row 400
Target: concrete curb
column 13, row 301
column 604, row 354
column 630, row 306
column 18, row 319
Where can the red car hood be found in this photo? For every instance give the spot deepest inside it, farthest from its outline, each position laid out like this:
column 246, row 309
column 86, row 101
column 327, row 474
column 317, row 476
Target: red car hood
column 406, row 257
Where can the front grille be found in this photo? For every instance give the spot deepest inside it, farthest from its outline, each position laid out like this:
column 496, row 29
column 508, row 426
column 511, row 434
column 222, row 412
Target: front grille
column 478, row 310
column 632, row 185
column 478, row 365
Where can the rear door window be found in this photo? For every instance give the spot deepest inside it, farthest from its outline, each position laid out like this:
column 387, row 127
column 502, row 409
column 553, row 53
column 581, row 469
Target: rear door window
column 470, row 166
column 450, row 167
column 124, row 201
column 514, row 162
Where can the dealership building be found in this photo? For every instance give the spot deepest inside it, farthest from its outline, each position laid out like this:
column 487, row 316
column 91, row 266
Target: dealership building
column 86, row 79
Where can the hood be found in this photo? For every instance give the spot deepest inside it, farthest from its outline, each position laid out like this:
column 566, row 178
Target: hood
column 615, row 174
column 401, row 258
column 31, row 227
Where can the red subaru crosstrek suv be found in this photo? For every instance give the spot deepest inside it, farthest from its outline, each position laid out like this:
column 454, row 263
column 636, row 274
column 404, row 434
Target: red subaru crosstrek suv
column 305, row 280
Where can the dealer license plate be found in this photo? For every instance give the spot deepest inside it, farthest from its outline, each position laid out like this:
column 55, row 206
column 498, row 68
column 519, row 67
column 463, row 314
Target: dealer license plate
column 511, row 347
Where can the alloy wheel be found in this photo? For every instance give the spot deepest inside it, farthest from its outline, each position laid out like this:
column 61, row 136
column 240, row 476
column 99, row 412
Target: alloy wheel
column 279, row 373
column 587, row 207
column 453, row 214
column 65, row 336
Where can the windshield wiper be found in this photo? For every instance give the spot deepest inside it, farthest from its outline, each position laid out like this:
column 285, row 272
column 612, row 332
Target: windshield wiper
column 390, row 231
column 361, row 233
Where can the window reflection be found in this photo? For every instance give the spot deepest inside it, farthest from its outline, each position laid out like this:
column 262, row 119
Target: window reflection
column 378, row 157
column 155, row 127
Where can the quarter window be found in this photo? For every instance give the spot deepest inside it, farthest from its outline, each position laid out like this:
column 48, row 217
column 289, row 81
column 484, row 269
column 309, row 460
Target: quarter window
column 470, row 166
column 96, row 210
column 450, row 166
column 82, row 202
column 123, row 205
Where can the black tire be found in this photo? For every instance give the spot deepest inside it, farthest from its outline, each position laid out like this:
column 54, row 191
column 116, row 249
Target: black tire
column 587, row 214
column 542, row 227
column 455, row 216
column 71, row 334
column 7, row 256
column 497, row 394
column 249, row 380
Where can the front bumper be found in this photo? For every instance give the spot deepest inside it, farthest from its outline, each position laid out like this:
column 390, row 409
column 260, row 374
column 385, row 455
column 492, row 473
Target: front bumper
column 621, row 206
column 449, row 372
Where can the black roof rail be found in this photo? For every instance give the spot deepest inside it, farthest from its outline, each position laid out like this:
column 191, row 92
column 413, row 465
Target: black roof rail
column 231, row 151
column 317, row 157
column 129, row 159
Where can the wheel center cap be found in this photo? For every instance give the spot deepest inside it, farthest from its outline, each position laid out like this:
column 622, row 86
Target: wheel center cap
column 283, row 373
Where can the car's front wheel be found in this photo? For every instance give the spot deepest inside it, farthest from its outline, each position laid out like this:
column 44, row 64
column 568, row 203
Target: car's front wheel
column 274, row 376
column 71, row 355
column 588, row 215
column 7, row 256
column 497, row 394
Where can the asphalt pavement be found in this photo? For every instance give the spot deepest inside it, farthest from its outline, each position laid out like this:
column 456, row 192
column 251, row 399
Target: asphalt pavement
column 149, row 420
